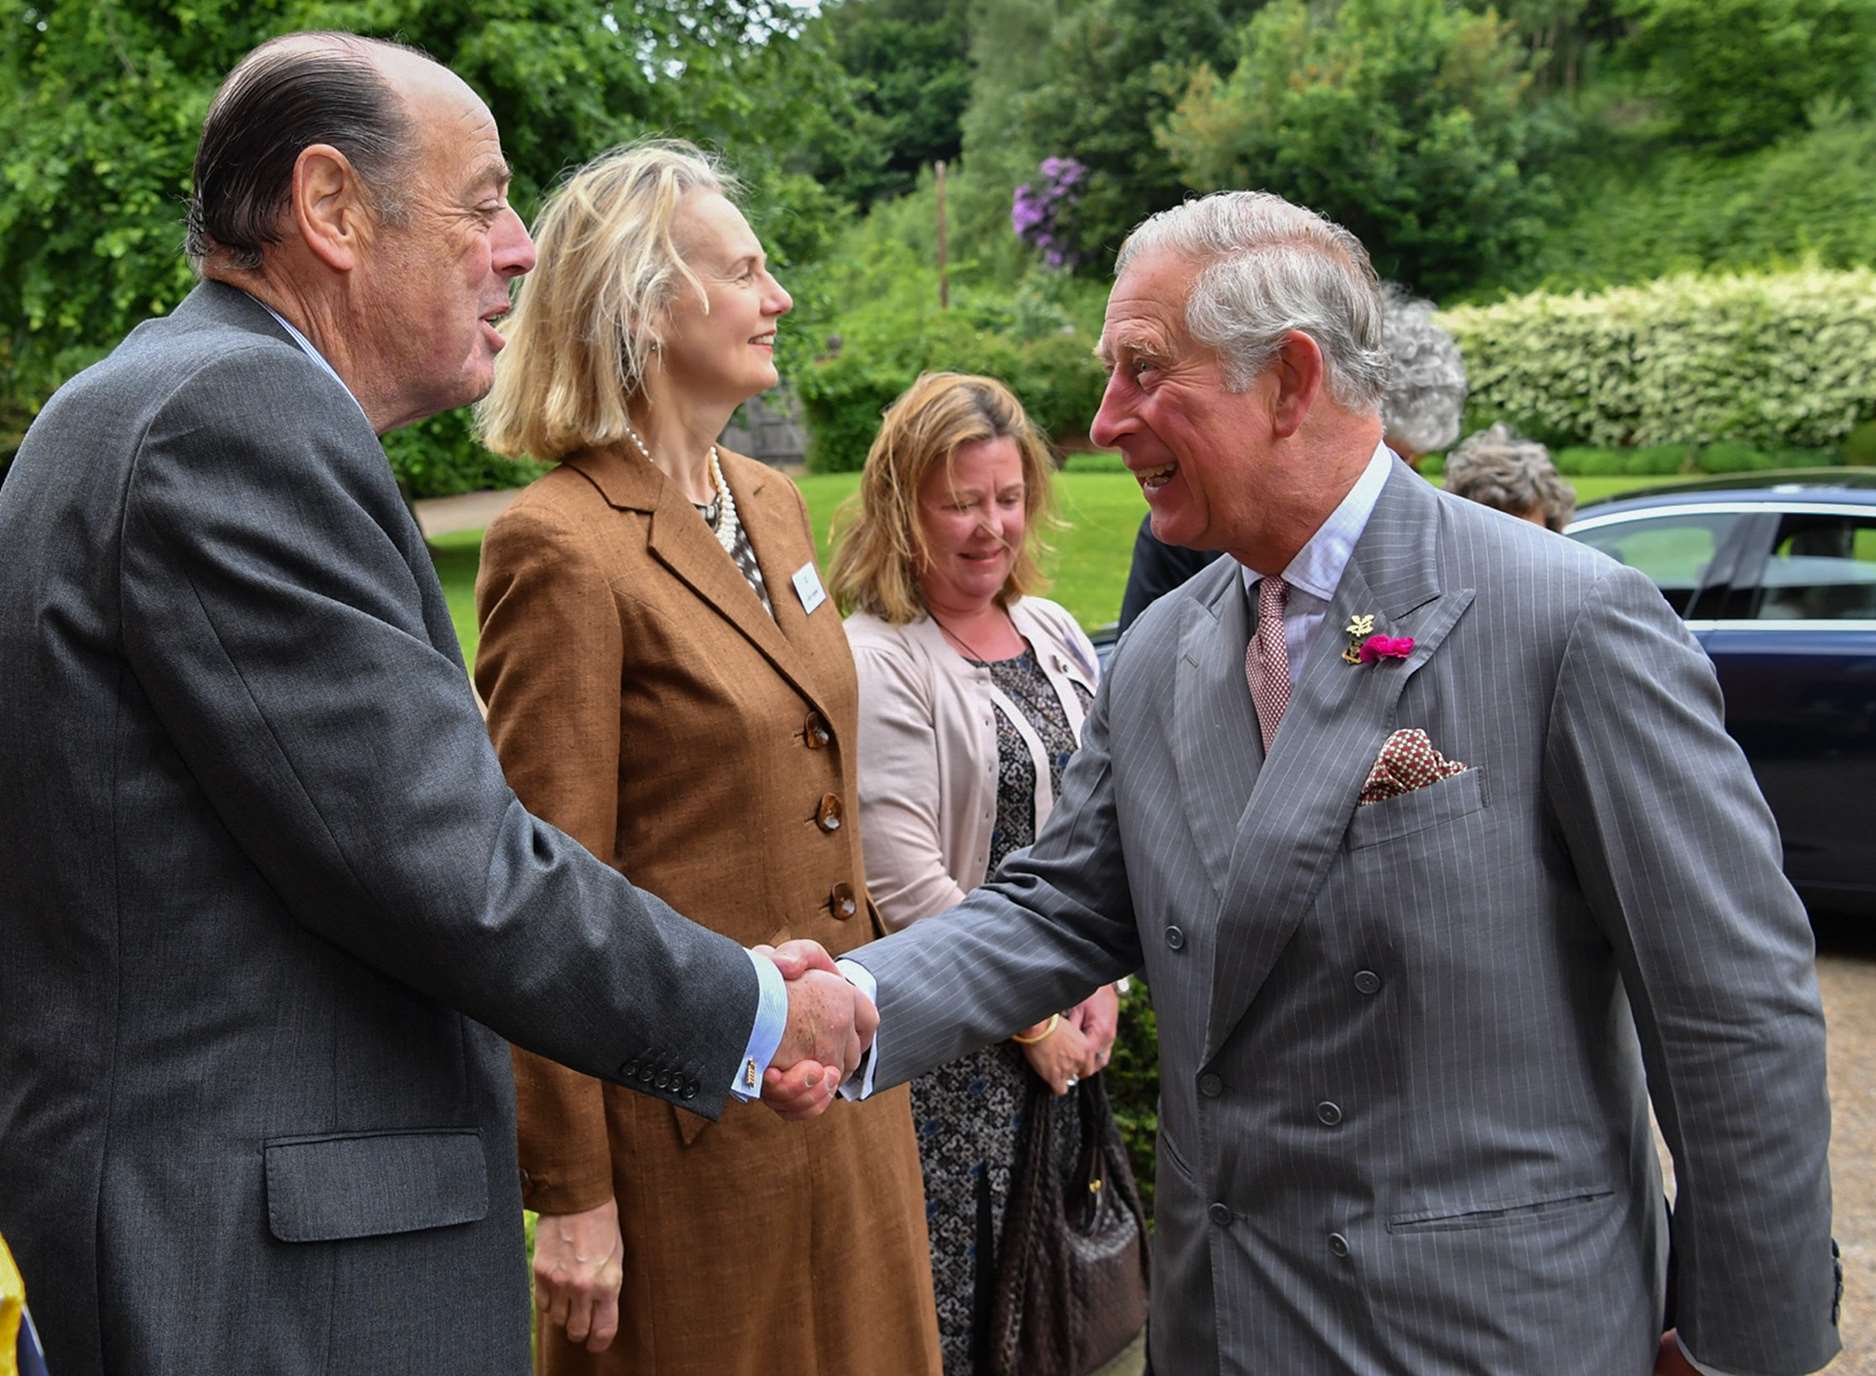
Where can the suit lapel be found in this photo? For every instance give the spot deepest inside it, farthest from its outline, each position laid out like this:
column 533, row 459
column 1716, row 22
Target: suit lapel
column 1339, row 715
column 681, row 541
column 1217, row 752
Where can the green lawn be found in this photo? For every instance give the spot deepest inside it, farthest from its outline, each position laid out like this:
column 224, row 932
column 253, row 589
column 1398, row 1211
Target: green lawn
column 1099, row 501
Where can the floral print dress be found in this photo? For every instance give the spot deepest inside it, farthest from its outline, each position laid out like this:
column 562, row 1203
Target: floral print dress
column 967, row 1113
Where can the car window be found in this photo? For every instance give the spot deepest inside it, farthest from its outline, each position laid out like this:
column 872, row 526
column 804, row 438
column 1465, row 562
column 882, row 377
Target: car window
column 1821, row 568
column 1674, row 550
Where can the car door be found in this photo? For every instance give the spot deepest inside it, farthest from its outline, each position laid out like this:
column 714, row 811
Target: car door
column 1795, row 650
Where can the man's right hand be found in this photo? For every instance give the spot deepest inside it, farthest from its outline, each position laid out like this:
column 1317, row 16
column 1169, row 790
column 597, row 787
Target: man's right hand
column 830, row 1026
column 579, row 1262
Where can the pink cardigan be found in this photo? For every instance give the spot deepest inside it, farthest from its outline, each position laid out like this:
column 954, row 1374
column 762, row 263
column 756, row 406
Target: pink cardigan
column 928, row 752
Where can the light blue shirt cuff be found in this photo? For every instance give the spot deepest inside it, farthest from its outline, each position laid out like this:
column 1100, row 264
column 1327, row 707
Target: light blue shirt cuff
column 860, row 1083
column 771, row 1021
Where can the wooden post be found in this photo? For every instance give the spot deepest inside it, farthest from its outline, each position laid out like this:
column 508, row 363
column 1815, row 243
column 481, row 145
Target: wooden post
column 944, row 280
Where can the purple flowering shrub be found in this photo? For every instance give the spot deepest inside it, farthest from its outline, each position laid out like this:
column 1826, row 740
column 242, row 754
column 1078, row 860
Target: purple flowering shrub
column 1039, row 210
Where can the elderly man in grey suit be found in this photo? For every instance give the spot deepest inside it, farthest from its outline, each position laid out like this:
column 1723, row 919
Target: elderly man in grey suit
column 1422, row 822
column 265, row 899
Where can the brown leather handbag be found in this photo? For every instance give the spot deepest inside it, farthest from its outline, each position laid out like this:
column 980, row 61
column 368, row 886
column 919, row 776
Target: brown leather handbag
column 1072, row 1270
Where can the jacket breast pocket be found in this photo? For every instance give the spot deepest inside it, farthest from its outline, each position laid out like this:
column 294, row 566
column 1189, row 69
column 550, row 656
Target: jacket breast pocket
column 1431, row 806
column 331, row 1186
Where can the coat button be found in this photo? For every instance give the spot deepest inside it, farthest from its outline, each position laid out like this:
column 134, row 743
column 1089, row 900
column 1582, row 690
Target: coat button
column 1210, row 1085
column 1220, row 1214
column 1367, row 982
column 689, row 1091
column 1328, row 1114
column 841, row 902
column 827, row 815
column 664, row 1079
column 1338, row 1244
column 1175, row 939
column 644, row 1074
column 816, row 734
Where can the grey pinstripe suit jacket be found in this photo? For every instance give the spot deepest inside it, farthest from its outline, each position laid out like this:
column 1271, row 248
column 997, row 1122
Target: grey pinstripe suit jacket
column 264, row 893
column 1404, row 1113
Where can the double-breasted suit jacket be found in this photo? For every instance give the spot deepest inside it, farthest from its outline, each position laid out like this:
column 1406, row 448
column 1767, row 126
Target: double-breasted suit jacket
column 264, row 894
column 642, row 698
column 1406, row 1047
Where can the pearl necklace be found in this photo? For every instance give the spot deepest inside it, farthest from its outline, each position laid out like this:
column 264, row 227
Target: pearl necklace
column 728, row 527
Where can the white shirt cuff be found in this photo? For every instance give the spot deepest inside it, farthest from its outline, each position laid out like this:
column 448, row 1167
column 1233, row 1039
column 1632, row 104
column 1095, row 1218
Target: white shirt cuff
column 860, row 1083
column 766, row 1035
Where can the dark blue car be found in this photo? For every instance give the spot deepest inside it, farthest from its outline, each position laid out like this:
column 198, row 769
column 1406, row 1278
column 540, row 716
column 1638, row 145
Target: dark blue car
column 1775, row 575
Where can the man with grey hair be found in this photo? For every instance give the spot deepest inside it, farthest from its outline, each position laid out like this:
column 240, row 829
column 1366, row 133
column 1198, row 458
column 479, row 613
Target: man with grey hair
column 1426, row 392
column 265, row 898
column 1439, row 861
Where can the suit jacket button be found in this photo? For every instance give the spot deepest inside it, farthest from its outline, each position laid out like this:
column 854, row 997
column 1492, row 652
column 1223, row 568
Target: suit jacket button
column 1328, row 1114
column 1367, row 982
column 827, row 816
column 689, row 1091
column 816, row 734
column 1210, row 1085
column 1175, row 939
column 1220, row 1214
column 841, row 901
column 1338, row 1244
column 664, row 1079
column 644, row 1074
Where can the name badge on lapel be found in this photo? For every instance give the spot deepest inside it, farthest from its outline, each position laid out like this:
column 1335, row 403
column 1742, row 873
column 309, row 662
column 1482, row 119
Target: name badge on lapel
column 808, row 587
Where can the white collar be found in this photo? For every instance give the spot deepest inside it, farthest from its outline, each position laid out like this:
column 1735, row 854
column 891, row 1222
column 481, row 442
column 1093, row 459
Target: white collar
column 312, row 353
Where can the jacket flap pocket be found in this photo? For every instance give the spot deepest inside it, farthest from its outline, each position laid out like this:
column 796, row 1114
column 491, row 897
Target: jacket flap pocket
column 1444, row 801
column 368, row 1184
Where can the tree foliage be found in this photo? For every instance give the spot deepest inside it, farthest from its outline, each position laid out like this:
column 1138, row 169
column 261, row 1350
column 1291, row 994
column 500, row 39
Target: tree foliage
column 1739, row 74
column 1404, row 120
column 104, row 101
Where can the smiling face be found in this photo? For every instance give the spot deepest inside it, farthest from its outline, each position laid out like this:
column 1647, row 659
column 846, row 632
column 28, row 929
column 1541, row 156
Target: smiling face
column 973, row 515
column 1193, row 444
column 722, row 351
column 435, row 281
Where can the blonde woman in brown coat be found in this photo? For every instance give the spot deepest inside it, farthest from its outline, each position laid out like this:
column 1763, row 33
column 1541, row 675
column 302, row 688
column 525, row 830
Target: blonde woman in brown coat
column 667, row 682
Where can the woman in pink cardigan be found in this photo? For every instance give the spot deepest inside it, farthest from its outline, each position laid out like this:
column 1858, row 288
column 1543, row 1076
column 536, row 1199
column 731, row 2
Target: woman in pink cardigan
column 972, row 698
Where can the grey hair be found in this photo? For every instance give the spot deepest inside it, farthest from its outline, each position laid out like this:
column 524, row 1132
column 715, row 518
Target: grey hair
column 1267, row 267
column 1426, row 389
column 1498, row 468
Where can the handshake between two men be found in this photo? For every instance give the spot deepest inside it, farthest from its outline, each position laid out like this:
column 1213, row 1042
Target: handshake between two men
column 830, row 1029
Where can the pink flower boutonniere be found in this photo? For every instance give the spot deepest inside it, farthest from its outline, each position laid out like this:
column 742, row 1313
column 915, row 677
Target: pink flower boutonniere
column 1365, row 647
column 1385, row 647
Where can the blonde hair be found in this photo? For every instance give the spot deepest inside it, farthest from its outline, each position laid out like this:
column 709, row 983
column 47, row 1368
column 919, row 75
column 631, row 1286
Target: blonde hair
column 589, row 318
column 881, row 550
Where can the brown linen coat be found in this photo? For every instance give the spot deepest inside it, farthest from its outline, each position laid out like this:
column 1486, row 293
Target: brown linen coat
column 642, row 700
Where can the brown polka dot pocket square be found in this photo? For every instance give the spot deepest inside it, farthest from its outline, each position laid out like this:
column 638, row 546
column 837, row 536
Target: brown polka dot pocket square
column 1406, row 762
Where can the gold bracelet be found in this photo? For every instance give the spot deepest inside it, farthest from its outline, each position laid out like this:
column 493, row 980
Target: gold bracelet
column 1021, row 1040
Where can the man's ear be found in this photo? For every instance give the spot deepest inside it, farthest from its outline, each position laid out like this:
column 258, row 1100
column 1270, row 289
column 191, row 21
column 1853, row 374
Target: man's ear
column 327, row 206
column 1298, row 372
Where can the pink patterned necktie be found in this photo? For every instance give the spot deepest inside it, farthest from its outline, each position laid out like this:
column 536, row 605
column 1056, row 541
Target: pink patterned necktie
column 1267, row 659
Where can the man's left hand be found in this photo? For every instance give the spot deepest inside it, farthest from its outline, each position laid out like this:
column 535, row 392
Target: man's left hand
column 1097, row 1018
column 1670, row 1360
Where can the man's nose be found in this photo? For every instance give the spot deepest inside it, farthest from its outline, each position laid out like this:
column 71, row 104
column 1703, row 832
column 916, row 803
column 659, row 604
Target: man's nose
column 513, row 250
column 1110, row 420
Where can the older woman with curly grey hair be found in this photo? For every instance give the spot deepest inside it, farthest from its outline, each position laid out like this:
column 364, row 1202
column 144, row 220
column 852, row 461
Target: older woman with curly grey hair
column 1498, row 468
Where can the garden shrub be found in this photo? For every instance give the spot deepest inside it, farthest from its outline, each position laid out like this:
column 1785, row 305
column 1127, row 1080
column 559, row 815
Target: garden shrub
column 1859, row 446
column 885, row 345
column 1775, row 360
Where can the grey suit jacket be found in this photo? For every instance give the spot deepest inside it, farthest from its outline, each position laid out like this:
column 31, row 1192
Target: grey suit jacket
column 1404, row 1099
column 266, row 901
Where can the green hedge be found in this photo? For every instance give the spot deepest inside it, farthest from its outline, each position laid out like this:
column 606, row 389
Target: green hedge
column 1776, row 361
column 1037, row 337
